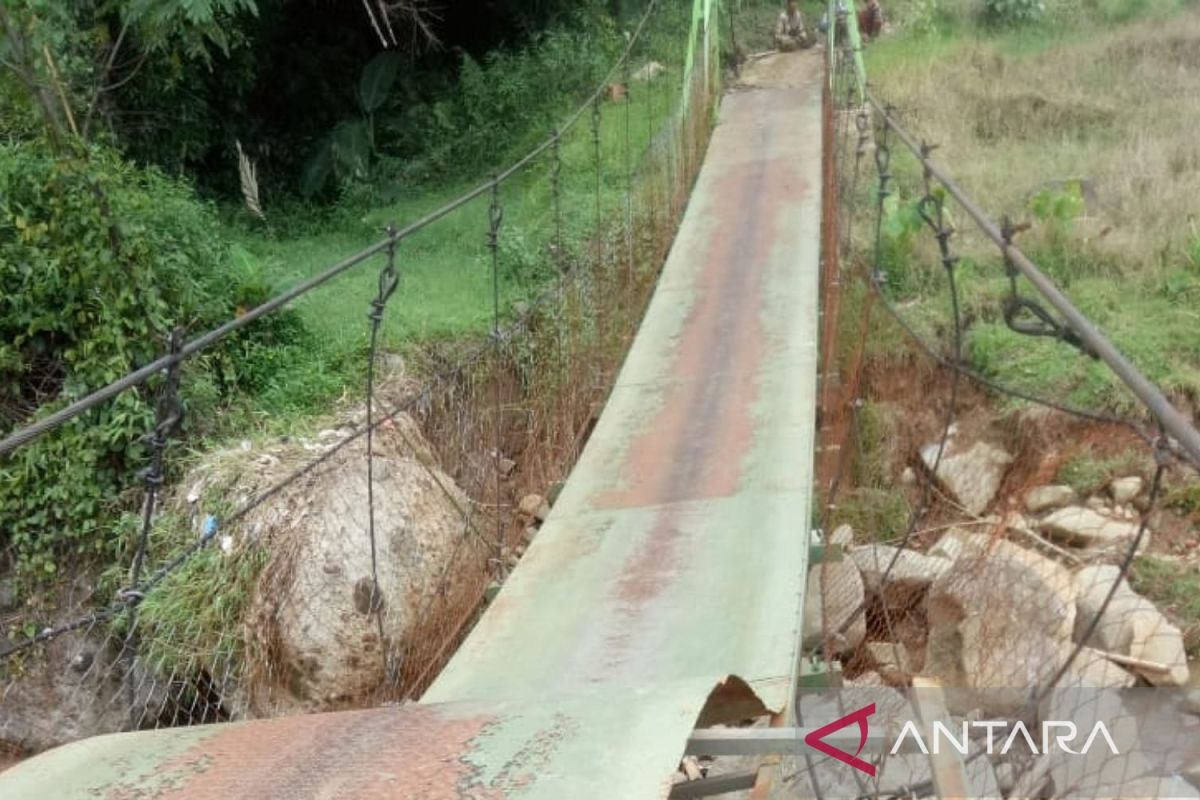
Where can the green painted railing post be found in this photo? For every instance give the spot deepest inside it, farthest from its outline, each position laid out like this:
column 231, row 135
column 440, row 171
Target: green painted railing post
column 831, row 41
column 860, row 69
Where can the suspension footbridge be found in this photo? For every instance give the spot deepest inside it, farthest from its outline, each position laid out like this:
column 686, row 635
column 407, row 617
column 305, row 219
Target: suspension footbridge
column 665, row 587
column 664, row 593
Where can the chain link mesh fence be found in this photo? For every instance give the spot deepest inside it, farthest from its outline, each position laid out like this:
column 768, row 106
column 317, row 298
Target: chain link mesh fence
column 275, row 579
column 959, row 583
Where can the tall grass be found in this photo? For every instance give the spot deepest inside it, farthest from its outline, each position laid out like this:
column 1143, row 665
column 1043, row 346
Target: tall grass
column 1019, row 112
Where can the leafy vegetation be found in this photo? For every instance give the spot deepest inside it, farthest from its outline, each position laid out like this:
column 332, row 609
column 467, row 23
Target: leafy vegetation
column 199, row 610
column 99, row 261
column 181, row 83
column 63, row 55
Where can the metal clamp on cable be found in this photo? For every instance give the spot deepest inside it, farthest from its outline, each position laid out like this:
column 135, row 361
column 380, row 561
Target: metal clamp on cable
column 863, row 123
column 1164, row 449
column 883, row 159
column 1044, row 323
column 389, row 279
column 926, row 151
column 131, row 597
column 936, row 220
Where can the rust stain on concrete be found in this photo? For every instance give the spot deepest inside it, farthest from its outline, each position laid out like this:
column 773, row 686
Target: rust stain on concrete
column 695, row 445
column 694, row 448
column 377, row 754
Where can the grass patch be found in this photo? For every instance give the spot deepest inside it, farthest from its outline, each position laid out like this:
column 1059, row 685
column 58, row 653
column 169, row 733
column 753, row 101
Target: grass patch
column 873, row 504
column 875, row 514
column 1087, row 472
column 193, row 620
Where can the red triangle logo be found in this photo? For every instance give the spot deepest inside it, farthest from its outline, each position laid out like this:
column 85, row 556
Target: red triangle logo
column 815, row 739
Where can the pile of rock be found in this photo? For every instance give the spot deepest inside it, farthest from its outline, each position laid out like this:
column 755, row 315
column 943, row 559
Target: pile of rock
column 1110, row 521
column 1001, row 620
column 999, row 614
column 1000, row 606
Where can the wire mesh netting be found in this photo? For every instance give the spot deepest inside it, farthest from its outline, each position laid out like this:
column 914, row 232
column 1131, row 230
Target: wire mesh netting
column 342, row 569
column 960, row 583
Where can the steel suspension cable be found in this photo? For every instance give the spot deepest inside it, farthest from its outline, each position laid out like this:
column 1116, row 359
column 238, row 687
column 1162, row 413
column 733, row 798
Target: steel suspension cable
column 1172, row 421
column 137, row 377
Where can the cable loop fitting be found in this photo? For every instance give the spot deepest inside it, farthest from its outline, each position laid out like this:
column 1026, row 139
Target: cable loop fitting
column 883, row 158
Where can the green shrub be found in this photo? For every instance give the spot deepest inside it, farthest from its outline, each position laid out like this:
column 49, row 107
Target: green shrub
column 99, row 261
column 1013, row 12
column 500, row 106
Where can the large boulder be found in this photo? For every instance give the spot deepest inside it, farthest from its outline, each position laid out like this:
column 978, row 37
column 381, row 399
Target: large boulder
column 1048, row 498
column 1050, row 578
column 1124, row 490
column 313, row 630
column 1157, row 641
column 1129, row 625
column 1091, row 669
column 972, row 474
column 998, row 627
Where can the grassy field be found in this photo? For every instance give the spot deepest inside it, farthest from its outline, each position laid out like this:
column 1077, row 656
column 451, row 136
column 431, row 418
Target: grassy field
column 446, row 290
column 1085, row 130
column 1083, row 127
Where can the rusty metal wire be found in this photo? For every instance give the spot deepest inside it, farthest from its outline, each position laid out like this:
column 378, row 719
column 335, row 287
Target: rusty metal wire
column 1018, row 639
column 389, row 280
column 19, row 438
column 502, row 400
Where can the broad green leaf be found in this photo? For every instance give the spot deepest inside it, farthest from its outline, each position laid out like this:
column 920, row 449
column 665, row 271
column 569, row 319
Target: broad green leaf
column 377, row 79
